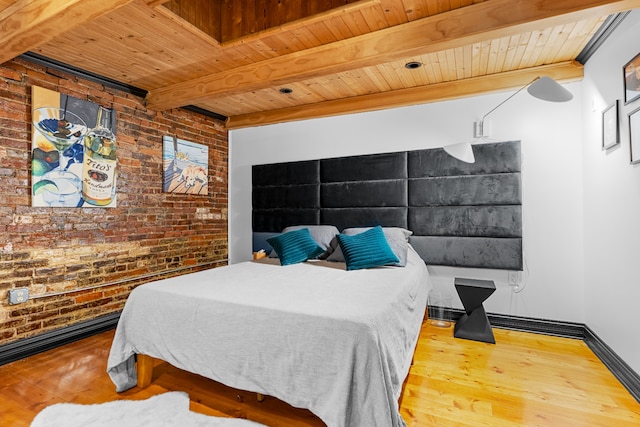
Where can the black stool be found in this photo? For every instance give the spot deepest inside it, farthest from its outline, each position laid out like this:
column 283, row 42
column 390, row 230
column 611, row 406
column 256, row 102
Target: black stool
column 474, row 324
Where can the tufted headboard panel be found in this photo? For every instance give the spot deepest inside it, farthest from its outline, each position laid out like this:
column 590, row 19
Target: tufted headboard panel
column 466, row 215
column 364, row 191
column 285, row 194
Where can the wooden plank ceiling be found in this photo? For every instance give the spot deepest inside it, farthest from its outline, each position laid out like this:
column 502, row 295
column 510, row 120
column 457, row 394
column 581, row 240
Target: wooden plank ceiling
column 232, row 57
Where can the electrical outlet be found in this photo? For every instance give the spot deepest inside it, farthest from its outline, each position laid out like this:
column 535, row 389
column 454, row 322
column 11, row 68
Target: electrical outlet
column 18, row 296
column 513, row 278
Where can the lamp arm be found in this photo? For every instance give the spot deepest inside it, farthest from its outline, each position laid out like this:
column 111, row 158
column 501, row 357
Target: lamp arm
column 512, row 95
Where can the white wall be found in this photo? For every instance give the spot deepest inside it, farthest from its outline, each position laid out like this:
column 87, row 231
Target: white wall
column 611, row 201
column 552, row 183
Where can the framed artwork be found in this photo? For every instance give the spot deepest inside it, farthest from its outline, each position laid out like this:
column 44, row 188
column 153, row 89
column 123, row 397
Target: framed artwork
column 185, row 166
column 634, row 136
column 632, row 79
column 610, row 133
column 73, row 152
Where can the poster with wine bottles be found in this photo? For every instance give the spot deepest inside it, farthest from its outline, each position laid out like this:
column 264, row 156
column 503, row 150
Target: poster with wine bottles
column 73, row 152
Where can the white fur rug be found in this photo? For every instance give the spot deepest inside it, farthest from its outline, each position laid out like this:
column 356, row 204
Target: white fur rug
column 164, row 410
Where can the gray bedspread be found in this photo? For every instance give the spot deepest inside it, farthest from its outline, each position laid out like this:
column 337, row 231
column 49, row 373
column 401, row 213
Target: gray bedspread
column 336, row 342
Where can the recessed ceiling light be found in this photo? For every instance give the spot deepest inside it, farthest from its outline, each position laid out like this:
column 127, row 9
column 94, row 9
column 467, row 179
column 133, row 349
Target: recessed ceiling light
column 413, row 65
column 285, row 90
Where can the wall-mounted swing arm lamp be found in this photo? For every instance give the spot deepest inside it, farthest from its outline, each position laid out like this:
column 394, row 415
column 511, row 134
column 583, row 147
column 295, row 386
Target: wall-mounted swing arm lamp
column 544, row 88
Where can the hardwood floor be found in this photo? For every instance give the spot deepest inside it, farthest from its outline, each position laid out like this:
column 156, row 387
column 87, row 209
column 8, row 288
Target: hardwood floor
column 524, row 380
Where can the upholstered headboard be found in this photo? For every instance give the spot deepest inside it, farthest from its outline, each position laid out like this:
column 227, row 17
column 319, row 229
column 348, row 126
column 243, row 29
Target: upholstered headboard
column 461, row 214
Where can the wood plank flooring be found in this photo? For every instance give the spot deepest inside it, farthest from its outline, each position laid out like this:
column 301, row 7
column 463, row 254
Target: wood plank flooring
column 524, row 380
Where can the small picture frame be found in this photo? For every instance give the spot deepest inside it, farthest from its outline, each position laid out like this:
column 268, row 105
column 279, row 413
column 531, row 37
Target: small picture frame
column 631, row 72
column 610, row 132
column 634, row 136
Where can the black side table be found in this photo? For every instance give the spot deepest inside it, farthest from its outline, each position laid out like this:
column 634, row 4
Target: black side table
column 474, row 324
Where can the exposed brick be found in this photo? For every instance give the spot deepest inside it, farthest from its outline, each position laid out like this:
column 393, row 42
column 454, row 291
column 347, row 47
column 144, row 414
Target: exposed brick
column 88, row 297
column 29, row 327
column 10, row 74
column 58, row 304
column 52, row 250
column 42, row 316
column 58, row 321
column 13, row 323
column 7, row 335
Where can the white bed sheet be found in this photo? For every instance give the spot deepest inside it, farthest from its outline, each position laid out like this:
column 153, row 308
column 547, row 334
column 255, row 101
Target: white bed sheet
column 336, row 342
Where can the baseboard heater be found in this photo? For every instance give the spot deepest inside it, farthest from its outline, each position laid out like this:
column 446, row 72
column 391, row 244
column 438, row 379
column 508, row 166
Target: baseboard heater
column 49, row 340
column 619, row 368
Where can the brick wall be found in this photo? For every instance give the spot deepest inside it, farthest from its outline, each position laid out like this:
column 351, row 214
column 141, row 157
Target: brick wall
column 58, row 252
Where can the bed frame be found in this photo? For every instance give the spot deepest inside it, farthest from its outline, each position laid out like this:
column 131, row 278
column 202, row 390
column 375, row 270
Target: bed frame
column 144, row 367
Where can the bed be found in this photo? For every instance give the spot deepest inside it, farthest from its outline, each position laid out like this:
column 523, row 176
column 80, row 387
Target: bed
column 339, row 343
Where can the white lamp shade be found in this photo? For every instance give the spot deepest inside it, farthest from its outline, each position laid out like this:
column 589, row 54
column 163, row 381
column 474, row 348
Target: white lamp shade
column 547, row 89
column 461, row 151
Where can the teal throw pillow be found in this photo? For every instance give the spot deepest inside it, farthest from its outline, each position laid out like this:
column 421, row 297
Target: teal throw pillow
column 295, row 246
column 366, row 250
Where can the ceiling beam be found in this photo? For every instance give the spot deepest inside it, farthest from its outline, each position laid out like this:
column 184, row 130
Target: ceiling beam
column 26, row 24
column 481, row 21
column 562, row 72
